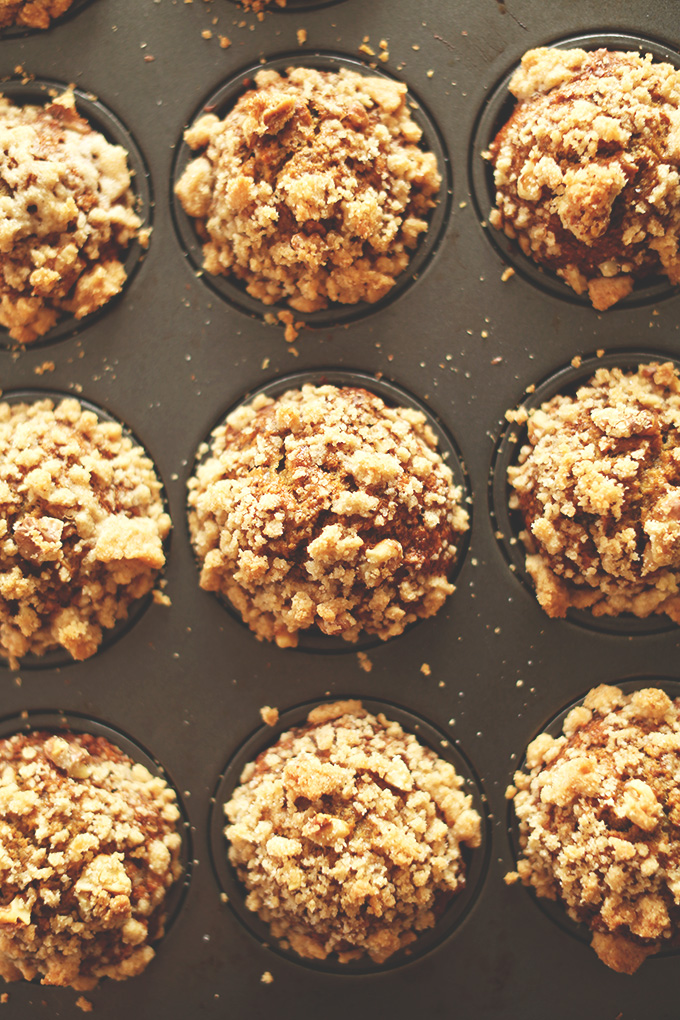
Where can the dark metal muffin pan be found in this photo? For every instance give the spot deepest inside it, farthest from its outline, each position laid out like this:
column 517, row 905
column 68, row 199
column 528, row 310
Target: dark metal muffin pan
column 170, row 357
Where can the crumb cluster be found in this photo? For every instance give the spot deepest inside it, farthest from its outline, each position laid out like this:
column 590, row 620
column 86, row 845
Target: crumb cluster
column 598, row 485
column 326, row 508
column 88, row 849
column 312, row 189
column 31, row 13
column 82, row 525
column 347, row 834
column 587, row 168
column 66, row 216
column 599, row 814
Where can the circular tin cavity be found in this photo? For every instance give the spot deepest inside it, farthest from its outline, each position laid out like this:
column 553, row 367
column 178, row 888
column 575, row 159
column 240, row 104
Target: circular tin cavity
column 59, row 657
column 57, row 721
column 494, row 114
column 103, row 120
column 476, row 861
column 507, row 524
column 312, row 639
column 233, row 291
column 16, row 31
column 554, row 909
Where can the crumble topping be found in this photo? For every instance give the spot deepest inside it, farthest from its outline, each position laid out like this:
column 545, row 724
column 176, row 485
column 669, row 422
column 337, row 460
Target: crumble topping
column 326, row 508
column 66, row 216
column 599, row 814
column 587, row 168
column 88, row 848
column 312, row 189
column 598, row 485
column 347, row 834
column 82, row 525
column 31, row 13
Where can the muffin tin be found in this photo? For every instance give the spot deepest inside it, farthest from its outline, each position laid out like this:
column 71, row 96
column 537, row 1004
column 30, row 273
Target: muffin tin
column 170, row 357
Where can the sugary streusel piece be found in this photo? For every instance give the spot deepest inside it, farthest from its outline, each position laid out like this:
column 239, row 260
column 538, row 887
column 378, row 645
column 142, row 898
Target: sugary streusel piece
column 348, row 834
column 326, row 508
column 598, row 485
column 587, row 168
column 82, row 525
column 599, row 815
column 312, row 189
column 67, row 216
column 31, row 13
column 87, row 854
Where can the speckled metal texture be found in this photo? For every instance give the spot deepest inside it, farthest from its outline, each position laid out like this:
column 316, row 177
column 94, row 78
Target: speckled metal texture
column 170, row 356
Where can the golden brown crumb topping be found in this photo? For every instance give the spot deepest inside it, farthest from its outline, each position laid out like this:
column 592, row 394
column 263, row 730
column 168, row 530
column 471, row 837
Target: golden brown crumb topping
column 599, row 488
column 326, row 508
column 82, row 525
column 312, row 189
column 66, row 216
column 31, row 13
column 88, row 849
column 587, row 168
column 347, row 835
column 599, row 814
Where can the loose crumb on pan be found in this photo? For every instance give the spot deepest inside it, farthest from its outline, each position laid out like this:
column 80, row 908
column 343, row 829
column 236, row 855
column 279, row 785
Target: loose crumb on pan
column 67, row 216
column 598, row 486
column 89, row 849
column 82, row 525
column 327, row 508
column 270, row 716
column 586, row 168
column 313, row 188
column 267, row 978
column 365, row 663
column 347, row 834
column 31, row 13
column 84, row 1004
column 599, row 815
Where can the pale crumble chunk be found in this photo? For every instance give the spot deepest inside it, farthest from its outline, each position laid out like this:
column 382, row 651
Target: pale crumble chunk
column 269, row 715
column 66, row 216
column 31, row 13
column 598, row 486
column 599, row 817
column 327, row 508
column 587, row 169
column 88, row 849
column 82, row 524
column 347, row 834
column 312, row 189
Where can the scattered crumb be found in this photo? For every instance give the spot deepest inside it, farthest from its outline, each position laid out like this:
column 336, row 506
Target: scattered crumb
column 266, row 978
column 364, row 662
column 301, row 36
column 84, row 1004
column 507, row 273
column 160, row 598
column 206, row 33
column 576, row 361
column 47, row 366
column 426, row 669
column 225, row 42
column 270, row 716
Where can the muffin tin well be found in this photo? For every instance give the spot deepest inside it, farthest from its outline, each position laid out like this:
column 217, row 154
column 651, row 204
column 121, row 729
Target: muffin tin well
column 464, row 341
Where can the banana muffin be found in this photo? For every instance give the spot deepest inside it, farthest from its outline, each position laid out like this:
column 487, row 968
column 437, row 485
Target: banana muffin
column 312, row 189
column 68, row 214
column 599, row 821
column 88, row 849
column 326, row 508
column 598, row 486
column 587, row 168
column 82, row 524
column 31, row 13
column 347, row 834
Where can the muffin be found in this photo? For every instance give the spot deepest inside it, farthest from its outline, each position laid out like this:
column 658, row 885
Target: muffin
column 599, row 821
column 312, row 189
column 82, row 525
column 326, row 508
column 587, row 169
column 89, row 849
column 67, row 216
column 31, row 13
column 347, row 835
column 598, row 486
